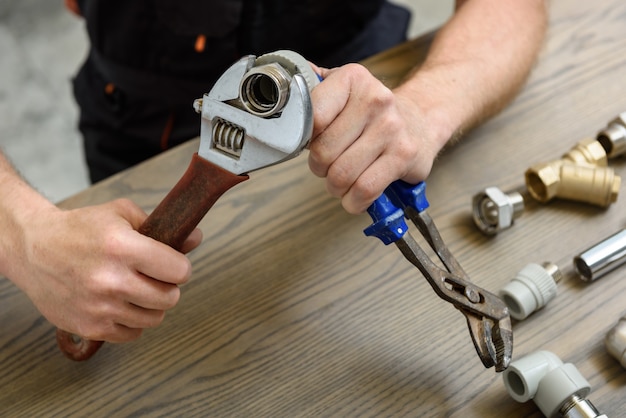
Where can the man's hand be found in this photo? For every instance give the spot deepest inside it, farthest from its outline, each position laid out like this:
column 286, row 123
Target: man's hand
column 366, row 136
column 90, row 273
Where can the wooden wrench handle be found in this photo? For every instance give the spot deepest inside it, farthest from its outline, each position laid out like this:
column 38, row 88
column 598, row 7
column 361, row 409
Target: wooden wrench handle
column 171, row 222
column 183, row 208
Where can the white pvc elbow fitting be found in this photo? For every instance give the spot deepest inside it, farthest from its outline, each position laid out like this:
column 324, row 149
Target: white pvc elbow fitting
column 615, row 341
column 557, row 389
column 531, row 289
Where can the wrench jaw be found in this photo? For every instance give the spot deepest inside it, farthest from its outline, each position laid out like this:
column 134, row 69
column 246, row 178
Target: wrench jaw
column 493, row 340
column 490, row 326
column 503, row 337
column 239, row 141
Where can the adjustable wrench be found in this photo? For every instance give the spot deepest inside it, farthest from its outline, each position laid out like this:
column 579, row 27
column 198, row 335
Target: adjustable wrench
column 257, row 114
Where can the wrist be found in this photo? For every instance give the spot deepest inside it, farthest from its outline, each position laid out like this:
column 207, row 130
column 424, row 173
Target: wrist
column 438, row 116
column 20, row 206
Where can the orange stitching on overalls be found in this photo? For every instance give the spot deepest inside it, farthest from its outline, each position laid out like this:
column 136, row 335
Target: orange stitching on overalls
column 200, row 43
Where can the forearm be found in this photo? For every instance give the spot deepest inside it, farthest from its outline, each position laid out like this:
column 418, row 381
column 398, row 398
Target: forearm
column 18, row 202
column 87, row 270
column 477, row 63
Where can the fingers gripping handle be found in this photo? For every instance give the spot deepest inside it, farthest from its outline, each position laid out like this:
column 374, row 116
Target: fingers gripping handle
column 171, row 223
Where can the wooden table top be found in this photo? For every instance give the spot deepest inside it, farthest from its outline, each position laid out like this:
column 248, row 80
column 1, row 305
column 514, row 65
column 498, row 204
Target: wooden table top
column 292, row 311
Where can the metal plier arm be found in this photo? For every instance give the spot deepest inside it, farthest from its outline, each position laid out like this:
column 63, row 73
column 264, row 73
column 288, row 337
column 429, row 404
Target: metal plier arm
column 487, row 316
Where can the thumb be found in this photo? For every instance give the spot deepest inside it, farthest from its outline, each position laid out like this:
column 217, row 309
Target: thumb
column 320, row 71
column 129, row 210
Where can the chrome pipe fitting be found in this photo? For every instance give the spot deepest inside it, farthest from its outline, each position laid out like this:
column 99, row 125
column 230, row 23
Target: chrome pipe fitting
column 579, row 408
column 602, row 257
column 613, row 137
column 264, row 89
column 494, row 210
column 558, row 390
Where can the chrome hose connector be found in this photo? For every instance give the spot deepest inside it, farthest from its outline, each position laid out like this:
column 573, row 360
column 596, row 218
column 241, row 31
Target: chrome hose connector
column 264, row 89
column 613, row 137
column 493, row 210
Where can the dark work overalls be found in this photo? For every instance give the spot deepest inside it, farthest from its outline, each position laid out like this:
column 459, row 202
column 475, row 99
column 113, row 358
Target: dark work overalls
column 149, row 60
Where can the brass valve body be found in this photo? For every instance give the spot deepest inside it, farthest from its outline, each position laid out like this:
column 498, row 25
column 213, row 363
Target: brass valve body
column 580, row 182
column 581, row 175
column 588, row 151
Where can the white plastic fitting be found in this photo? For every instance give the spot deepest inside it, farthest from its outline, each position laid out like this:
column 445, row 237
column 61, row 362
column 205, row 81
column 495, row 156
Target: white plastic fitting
column 557, row 389
column 531, row 289
column 615, row 341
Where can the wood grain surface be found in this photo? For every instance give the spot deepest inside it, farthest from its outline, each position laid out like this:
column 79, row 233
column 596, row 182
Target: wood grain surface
column 293, row 312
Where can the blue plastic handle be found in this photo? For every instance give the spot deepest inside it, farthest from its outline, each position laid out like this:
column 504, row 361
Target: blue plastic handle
column 404, row 195
column 387, row 211
column 389, row 225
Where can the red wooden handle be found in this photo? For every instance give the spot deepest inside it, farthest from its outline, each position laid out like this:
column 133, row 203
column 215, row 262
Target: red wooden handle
column 187, row 203
column 76, row 348
column 171, row 222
